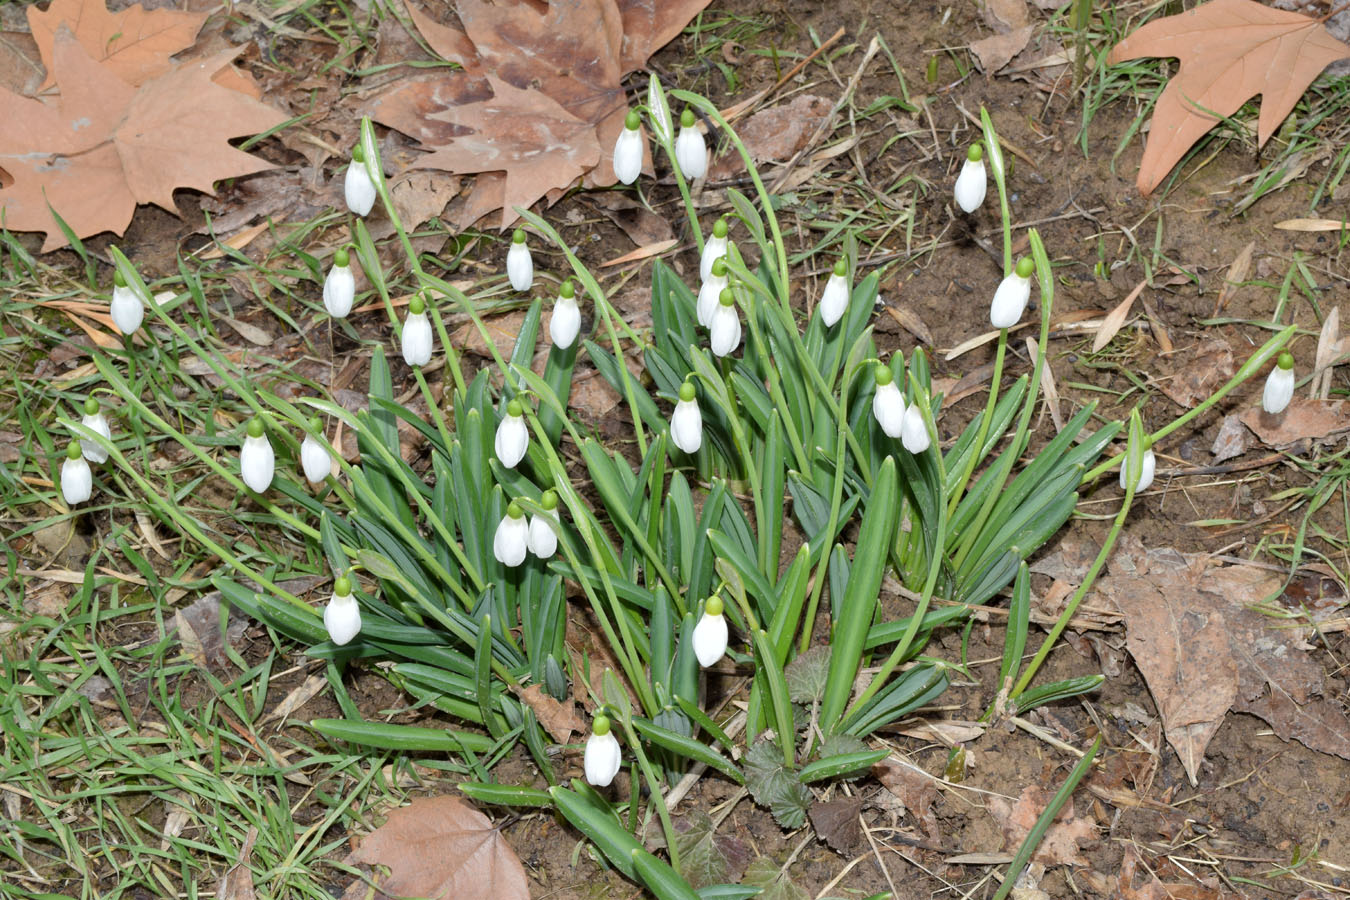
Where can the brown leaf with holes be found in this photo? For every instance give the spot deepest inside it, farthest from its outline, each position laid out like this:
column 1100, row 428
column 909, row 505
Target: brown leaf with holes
column 1230, row 51
column 1060, row 845
column 135, row 44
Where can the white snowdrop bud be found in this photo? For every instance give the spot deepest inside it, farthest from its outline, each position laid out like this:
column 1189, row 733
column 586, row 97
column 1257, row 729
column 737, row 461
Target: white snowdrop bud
column 315, row 459
column 628, row 150
column 658, row 111
column 686, row 423
column 94, row 420
column 257, row 462
column 339, row 286
column 725, row 326
column 127, row 309
column 342, row 616
column 913, row 431
column 513, row 436
column 710, row 292
column 77, row 481
column 888, row 404
column 519, row 263
column 691, row 153
column 543, row 540
column 1279, row 386
column 1010, row 300
column 1146, row 468
column 604, row 756
column 358, row 188
column 714, row 249
column 417, row 339
column 972, row 183
column 834, row 300
column 512, row 538
column 565, row 323
column 710, row 634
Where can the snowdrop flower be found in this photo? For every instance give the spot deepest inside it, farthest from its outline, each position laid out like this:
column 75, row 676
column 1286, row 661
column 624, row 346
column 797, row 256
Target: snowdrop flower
column 725, row 325
column 686, row 423
column 342, row 617
column 972, row 183
column 257, row 462
column 658, row 111
column 77, row 482
column 714, row 249
column 710, row 634
column 1010, row 300
column 710, row 292
column 512, row 537
column 513, row 437
column 358, row 187
column 519, row 264
column 127, row 309
column 628, row 150
column 835, row 299
column 604, row 757
column 888, row 405
column 1145, row 471
column 913, row 431
column 565, row 323
column 691, row 154
column 417, row 333
column 543, row 541
column 339, row 286
column 314, row 456
column 1279, row 386
column 95, row 421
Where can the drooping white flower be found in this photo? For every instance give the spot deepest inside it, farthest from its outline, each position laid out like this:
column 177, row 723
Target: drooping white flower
column 1279, row 386
column 913, row 431
column 710, row 292
column 257, row 462
column 94, row 420
column 714, row 249
column 691, row 153
column 1147, row 465
column 77, row 481
column 604, row 756
column 710, row 634
column 628, row 150
column 725, row 326
column 342, row 615
column 513, row 436
column 834, row 300
column 519, row 263
column 127, row 309
column 658, row 111
column 972, row 183
column 314, row 456
column 1010, row 300
column 512, row 538
column 686, row 423
column 358, row 187
column 888, row 404
column 543, row 540
column 417, row 339
column 565, row 323
column 339, row 286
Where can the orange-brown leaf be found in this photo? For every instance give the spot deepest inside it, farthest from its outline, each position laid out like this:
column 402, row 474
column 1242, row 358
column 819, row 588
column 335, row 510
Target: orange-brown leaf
column 1230, row 51
column 134, row 44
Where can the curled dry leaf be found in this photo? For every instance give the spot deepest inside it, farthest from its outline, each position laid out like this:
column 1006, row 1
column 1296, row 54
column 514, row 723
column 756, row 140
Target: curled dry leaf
column 559, row 718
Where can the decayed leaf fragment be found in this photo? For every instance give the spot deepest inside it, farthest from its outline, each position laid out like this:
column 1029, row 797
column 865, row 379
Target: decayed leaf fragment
column 1060, row 845
column 1230, row 51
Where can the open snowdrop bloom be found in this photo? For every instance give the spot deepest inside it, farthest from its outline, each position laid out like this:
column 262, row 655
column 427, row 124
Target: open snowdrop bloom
column 565, row 323
column 257, row 462
column 604, row 757
column 972, row 183
column 543, row 541
column 710, row 292
column 513, row 436
column 358, row 188
column 888, row 404
column 519, row 263
column 314, row 456
column 834, row 300
column 714, row 249
column 1010, row 300
column 339, row 286
column 628, row 150
column 512, row 538
column 342, row 616
column 691, row 154
column 913, row 431
column 725, row 325
column 710, row 634
column 1279, row 386
column 126, row 309
column 77, row 481
column 686, row 423
column 417, row 333
column 1145, row 471
column 94, row 420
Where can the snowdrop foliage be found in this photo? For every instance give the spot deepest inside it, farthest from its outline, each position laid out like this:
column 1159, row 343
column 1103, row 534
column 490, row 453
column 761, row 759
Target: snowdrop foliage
column 315, row 459
column 710, row 634
column 512, row 538
column 543, row 540
column 94, row 420
column 126, row 309
column 725, row 325
column 710, row 292
column 691, row 154
column 513, row 436
column 603, row 757
column 1010, row 300
column 358, row 188
column 686, row 423
column 972, row 183
column 1279, row 386
column 417, row 338
column 913, row 431
column 77, row 481
column 519, row 264
column 888, row 404
column 339, row 287
column 714, row 249
column 1145, row 471
column 658, row 111
column 565, row 324
column 342, row 616
column 257, row 462
column 628, row 150
column 834, row 300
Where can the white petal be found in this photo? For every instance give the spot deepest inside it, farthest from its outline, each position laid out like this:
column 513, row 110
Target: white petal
column 77, row 481
column 513, row 439
column 1279, row 391
column 126, row 309
column 691, row 153
column 339, row 289
column 708, row 297
column 628, row 155
column 1147, row 465
column 714, row 249
column 565, row 324
column 726, row 330
column 888, row 407
column 686, row 426
column 417, row 339
column 359, row 189
column 1010, row 301
column 257, row 463
column 710, row 639
column 603, row 758
column 315, row 460
column 542, row 541
column 520, row 267
column 971, row 185
column 511, row 541
column 834, row 300
column 342, row 619
column 93, row 452
column 913, row 432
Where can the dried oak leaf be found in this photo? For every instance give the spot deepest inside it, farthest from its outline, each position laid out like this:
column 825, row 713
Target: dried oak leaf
column 444, row 849
column 134, row 44
column 1230, row 51
column 106, row 145
column 1059, row 846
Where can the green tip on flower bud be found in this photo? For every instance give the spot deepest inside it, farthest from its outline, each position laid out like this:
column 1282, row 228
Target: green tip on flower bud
column 687, row 118
column 720, row 228
column 632, row 120
column 687, row 391
column 358, row 155
column 841, row 268
column 514, row 409
column 549, row 499
column 91, row 405
column 567, row 290
column 719, row 267
column 315, row 425
column 119, row 279
column 342, row 586
column 726, row 298
column 714, row 607
column 518, row 236
column 1285, row 360
column 255, row 427
column 601, row 724
column 342, row 259
column 513, row 510
column 417, row 306
column 975, row 153
column 884, row 375
column 73, row 450
column 1025, row 267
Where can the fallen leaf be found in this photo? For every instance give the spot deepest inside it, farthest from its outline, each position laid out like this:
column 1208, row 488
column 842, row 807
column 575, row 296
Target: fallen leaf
column 1006, row 15
column 836, row 823
column 297, row 698
column 1230, row 51
column 1237, row 273
column 134, row 44
column 909, row 320
column 642, row 226
column 773, row 135
column 559, row 718
column 997, row 50
column 1302, row 419
column 913, row 787
column 1328, row 350
column 1059, row 846
column 1116, row 318
column 421, row 196
column 1311, row 225
column 444, row 849
column 1231, row 440
column 773, row 880
column 1200, row 372
column 237, row 882
column 641, row 253
column 1149, row 888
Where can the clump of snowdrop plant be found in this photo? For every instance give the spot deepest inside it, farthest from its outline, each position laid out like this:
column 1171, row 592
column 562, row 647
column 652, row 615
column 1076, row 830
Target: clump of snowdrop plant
column 725, row 326
column 691, row 153
column 315, row 459
column 358, row 188
column 543, row 541
column 339, row 286
column 94, row 420
column 972, row 183
column 1279, row 385
column 1146, row 467
column 77, row 481
column 888, row 404
column 565, row 324
column 710, row 292
column 710, row 634
column 714, row 249
column 417, row 340
column 519, row 263
column 628, row 150
column 1010, row 300
column 342, row 615
column 257, row 462
column 834, row 300
column 604, row 756
column 513, row 436
column 127, row 308
column 686, row 423
column 512, row 539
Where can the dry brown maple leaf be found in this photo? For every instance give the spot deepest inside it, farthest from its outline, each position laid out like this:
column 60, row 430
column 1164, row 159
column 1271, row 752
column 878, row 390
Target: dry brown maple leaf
column 1230, row 51
column 105, row 145
column 444, row 849
column 134, row 44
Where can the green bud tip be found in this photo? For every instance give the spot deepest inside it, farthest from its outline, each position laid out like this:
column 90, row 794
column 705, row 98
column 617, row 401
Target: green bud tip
column 358, row 155
column 726, row 298
column 73, row 450
column 513, row 510
column 417, row 306
column 975, row 153
column 91, row 405
column 632, row 120
column 567, row 290
column 315, row 425
column 720, row 228
column 255, row 427
column 342, row 586
column 841, row 268
column 687, row 391
column 549, row 500
column 514, row 409
column 1025, row 267
column 687, row 118
column 601, row 724
column 119, row 279
column 1285, row 360
column 883, row 375
column 341, row 259
column 714, row 607
column 517, row 237
column 719, row 267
